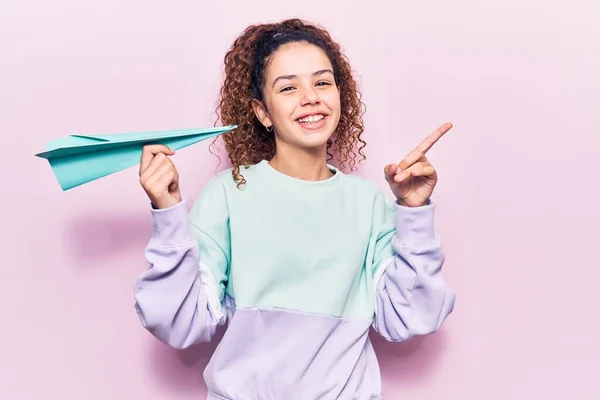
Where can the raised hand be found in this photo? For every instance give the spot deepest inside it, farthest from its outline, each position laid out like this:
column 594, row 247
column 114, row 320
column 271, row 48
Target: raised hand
column 159, row 177
column 412, row 180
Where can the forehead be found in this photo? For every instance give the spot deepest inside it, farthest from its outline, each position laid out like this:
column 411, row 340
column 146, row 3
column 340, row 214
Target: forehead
column 297, row 59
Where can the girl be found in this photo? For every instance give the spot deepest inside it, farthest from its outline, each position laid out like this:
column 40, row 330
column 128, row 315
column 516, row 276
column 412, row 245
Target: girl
column 300, row 258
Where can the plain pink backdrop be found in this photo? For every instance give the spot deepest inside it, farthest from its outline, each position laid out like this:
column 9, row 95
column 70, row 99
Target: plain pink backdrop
column 518, row 194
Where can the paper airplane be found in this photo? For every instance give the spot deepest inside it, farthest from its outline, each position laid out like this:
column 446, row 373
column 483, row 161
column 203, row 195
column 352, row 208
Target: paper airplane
column 78, row 159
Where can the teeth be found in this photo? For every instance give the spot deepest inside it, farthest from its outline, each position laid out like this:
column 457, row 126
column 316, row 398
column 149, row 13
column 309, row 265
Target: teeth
column 311, row 119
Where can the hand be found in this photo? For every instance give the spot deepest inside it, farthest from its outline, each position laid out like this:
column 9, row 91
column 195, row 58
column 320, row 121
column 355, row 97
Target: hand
column 159, row 177
column 412, row 181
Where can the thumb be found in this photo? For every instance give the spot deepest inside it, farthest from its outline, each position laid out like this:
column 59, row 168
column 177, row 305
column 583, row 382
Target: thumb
column 390, row 171
column 174, row 185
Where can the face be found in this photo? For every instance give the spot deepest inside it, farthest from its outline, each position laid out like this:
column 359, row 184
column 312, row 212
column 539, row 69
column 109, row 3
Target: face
column 301, row 99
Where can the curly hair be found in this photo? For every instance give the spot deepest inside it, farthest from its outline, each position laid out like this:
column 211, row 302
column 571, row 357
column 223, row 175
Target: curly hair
column 244, row 67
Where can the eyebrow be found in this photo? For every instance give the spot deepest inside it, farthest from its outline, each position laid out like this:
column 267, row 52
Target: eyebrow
column 319, row 72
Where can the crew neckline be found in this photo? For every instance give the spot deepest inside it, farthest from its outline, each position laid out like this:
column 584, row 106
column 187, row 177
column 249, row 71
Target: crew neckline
column 330, row 184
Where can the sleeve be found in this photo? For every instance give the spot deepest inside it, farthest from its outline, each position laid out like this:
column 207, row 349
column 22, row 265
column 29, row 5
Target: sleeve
column 180, row 297
column 412, row 297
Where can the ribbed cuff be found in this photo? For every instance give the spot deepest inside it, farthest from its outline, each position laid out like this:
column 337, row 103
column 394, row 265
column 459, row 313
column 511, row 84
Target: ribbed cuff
column 415, row 225
column 170, row 226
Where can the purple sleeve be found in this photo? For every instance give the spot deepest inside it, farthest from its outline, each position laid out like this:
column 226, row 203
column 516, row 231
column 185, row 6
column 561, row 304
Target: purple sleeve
column 176, row 299
column 412, row 297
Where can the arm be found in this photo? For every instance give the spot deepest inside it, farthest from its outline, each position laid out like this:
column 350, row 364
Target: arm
column 412, row 297
column 180, row 297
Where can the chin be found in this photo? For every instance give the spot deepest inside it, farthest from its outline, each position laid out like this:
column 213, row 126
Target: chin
column 314, row 140
column 314, row 136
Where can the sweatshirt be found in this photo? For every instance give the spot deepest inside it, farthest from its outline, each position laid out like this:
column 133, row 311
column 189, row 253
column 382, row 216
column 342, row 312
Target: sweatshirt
column 299, row 271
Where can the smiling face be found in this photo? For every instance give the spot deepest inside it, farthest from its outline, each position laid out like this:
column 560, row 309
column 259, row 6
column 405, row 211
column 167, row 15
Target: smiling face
column 301, row 98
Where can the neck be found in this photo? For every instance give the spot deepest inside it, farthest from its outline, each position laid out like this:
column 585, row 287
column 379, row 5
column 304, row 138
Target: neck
column 304, row 164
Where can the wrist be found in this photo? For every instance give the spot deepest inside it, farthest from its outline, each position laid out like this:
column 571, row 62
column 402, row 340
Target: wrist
column 161, row 204
column 401, row 203
column 412, row 205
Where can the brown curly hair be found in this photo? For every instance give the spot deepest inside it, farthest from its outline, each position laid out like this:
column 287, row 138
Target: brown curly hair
column 245, row 64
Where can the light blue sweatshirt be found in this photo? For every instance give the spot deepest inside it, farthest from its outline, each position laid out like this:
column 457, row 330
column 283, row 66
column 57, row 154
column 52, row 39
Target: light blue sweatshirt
column 300, row 270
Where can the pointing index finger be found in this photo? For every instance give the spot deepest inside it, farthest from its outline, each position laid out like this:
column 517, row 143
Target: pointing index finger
column 433, row 137
column 424, row 146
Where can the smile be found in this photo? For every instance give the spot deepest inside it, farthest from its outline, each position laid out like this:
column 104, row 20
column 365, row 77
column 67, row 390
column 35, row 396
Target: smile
column 311, row 119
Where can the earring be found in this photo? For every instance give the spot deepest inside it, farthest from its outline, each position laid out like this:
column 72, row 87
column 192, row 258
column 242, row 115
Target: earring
column 269, row 130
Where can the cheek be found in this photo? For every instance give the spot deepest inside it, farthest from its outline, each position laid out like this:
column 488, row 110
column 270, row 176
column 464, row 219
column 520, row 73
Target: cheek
column 281, row 110
column 335, row 105
column 333, row 100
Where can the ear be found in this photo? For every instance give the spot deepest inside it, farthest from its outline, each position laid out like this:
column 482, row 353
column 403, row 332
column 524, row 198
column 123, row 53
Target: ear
column 261, row 113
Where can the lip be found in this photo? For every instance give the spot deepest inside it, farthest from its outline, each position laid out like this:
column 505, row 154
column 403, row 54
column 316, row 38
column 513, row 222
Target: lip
column 314, row 126
column 311, row 114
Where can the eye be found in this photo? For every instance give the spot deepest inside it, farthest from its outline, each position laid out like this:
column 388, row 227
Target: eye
column 286, row 88
column 323, row 83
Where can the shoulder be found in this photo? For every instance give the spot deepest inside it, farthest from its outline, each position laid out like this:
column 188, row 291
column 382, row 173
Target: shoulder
column 212, row 196
column 368, row 190
column 360, row 182
column 216, row 195
column 224, row 181
column 223, row 178
column 362, row 185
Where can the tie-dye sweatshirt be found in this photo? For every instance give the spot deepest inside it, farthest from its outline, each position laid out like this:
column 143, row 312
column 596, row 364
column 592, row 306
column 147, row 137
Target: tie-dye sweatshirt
column 300, row 270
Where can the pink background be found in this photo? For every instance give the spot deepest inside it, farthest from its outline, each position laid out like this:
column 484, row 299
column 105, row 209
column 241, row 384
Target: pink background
column 518, row 194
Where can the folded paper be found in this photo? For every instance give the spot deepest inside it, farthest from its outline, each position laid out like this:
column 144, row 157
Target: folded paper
column 79, row 159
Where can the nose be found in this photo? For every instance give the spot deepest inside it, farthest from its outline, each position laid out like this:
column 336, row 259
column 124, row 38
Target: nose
column 309, row 96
